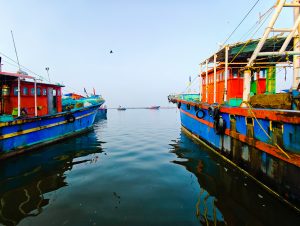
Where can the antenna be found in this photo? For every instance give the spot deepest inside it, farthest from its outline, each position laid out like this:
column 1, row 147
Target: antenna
column 12, row 35
column 47, row 69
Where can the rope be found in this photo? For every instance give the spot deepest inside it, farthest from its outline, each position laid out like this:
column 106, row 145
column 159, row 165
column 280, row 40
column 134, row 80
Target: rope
column 251, row 111
column 241, row 21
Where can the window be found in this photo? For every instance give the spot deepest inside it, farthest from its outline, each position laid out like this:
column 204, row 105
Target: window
column 262, row 73
column 255, row 76
column 58, row 92
column 38, row 90
column 15, row 91
column 25, row 91
column 44, row 92
column 32, row 91
column 235, row 73
column 54, row 92
column 241, row 74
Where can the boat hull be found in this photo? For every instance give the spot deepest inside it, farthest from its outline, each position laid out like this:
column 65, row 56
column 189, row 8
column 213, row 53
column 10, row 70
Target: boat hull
column 22, row 135
column 248, row 151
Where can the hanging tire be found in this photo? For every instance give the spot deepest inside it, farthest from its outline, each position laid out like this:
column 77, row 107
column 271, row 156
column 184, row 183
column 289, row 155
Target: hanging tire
column 219, row 125
column 200, row 114
column 70, row 118
column 179, row 105
column 210, row 111
column 216, row 113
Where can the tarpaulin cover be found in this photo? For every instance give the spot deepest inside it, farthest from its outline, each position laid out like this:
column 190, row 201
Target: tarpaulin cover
column 274, row 101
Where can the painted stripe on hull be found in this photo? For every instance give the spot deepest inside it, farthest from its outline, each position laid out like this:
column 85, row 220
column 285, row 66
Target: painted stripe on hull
column 43, row 131
column 287, row 116
column 270, row 149
column 10, row 135
column 21, row 150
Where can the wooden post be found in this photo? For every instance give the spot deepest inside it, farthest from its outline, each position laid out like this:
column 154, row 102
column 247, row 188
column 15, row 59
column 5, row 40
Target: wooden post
column 226, row 73
column 246, row 87
column 35, row 99
column 19, row 96
column 215, row 78
column 206, row 81
column 200, row 83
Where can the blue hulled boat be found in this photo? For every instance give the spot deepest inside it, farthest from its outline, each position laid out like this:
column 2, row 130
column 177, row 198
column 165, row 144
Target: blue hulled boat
column 240, row 115
column 33, row 113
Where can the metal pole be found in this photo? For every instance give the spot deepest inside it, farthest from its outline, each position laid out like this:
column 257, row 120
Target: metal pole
column 12, row 35
column 206, row 81
column 19, row 97
column 47, row 69
column 35, row 98
column 200, row 83
column 215, row 78
column 296, row 59
column 226, row 73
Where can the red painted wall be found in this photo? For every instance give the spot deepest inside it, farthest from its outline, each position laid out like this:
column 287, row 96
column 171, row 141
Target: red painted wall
column 27, row 99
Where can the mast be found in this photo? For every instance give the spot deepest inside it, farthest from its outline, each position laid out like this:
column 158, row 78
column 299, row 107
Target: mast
column 19, row 82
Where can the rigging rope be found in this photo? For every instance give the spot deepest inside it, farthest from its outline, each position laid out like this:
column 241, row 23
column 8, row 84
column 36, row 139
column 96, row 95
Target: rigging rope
column 241, row 22
column 27, row 69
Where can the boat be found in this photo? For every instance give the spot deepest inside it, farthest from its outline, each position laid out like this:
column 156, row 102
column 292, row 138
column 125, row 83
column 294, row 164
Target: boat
column 32, row 113
column 121, row 108
column 239, row 114
column 102, row 112
column 153, row 107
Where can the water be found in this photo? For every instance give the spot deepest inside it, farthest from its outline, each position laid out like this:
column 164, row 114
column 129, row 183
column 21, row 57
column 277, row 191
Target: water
column 135, row 168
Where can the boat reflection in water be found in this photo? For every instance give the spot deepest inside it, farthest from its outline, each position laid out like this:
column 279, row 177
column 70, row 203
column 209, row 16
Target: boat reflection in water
column 24, row 180
column 226, row 195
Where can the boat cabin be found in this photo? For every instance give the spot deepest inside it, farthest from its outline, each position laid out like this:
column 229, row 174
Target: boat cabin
column 262, row 81
column 22, row 95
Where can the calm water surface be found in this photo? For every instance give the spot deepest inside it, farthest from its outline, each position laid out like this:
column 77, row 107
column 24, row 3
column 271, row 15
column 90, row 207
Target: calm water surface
column 135, row 168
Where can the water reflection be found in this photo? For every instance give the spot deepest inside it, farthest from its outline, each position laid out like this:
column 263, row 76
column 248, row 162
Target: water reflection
column 24, row 180
column 227, row 196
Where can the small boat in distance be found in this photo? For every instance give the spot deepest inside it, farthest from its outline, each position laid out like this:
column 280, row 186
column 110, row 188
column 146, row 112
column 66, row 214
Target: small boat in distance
column 121, row 108
column 153, row 107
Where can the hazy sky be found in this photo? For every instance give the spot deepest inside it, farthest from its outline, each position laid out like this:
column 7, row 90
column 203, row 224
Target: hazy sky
column 156, row 44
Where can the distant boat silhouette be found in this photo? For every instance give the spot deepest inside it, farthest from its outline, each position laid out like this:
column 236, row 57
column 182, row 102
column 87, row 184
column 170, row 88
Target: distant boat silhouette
column 121, row 108
column 154, row 107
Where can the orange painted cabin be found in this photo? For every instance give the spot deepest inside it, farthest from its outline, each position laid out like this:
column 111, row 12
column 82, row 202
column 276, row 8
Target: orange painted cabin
column 234, row 84
column 48, row 96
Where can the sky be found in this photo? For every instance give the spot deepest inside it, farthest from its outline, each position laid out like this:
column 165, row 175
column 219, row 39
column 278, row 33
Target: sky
column 156, row 44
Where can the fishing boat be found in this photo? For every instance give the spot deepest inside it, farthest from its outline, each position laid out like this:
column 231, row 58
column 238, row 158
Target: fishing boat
column 32, row 114
column 121, row 108
column 153, row 107
column 239, row 114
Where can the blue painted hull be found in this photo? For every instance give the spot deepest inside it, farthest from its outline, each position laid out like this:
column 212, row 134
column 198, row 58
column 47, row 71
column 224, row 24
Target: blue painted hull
column 278, row 174
column 23, row 134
